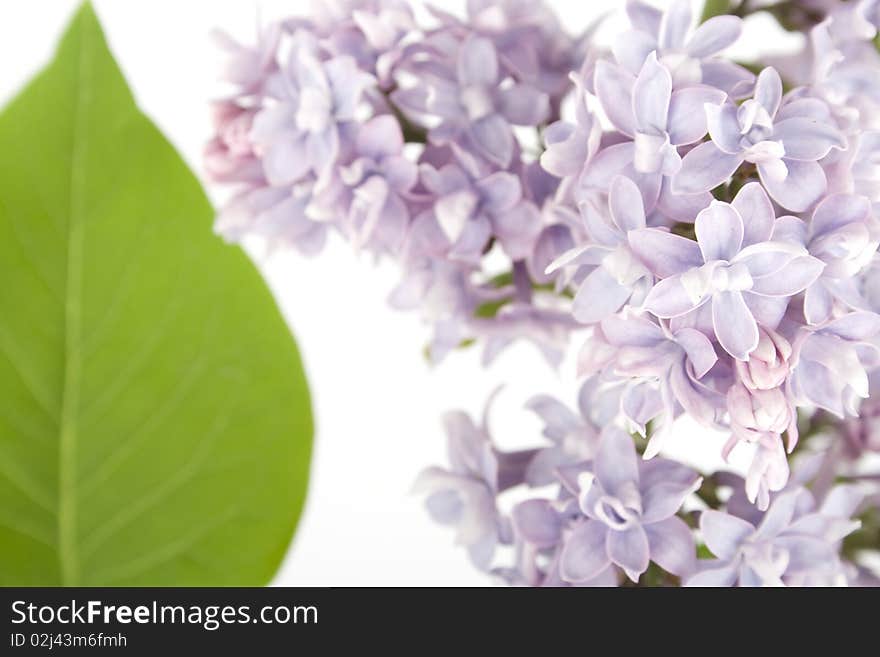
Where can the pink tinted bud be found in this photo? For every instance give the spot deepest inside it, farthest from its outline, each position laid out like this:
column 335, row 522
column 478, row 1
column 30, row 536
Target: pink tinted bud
column 229, row 156
column 755, row 412
column 767, row 366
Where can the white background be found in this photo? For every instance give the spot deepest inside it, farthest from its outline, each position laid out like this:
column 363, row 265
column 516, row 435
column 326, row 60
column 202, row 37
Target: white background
column 377, row 402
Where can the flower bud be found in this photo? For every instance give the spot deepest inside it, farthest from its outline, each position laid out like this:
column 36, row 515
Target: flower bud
column 754, row 412
column 230, row 157
column 767, row 366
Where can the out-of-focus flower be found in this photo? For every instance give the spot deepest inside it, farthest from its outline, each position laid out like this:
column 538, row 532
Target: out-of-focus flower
column 471, row 107
column 571, row 146
column 249, row 67
column 575, row 435
column 691, row 55
column 302, row 133
column 380, row 178
column 471, row 207
column 606, row 272
column 229, row 156
column 463, row 495
column 862, row 433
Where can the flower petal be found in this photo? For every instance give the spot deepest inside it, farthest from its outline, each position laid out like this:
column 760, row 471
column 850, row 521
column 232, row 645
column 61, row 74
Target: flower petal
column 732, row 79
column 380, row 137
column 566, row 150
column 808, row 555
column 672, row 546
column 522, row 104
column 699, row 349
column 616, row 463
column 631, row 48
column 625, row 202
column 644, row 16
column 704, row 168
column 664, row 499
column 807, row 139
column 618, row 160
column 651, row 95
column 454, row 211
column 537, row 522
column 665, row 253
column 713, row 36
column 599, row 296
column 757, row 213
column 778, row 516
column 493, row 138
column 669, row 298
column 285, row 160
column 719, row 230
column 843, row 501
column 735, row 327
column 629, row 549
column 614, row 89
column 838, row 210
column 499, row 191
column 794, row 277
column 804, row 185
column 675, row 25
column 584, row 555
column 517, row 229
column 699, row 401
column 768, row 90
column 859, row 326
column 714, row 574
column 687, row 122
column 632, row 332
column 724, row 533
column 723, row 126
column 477, row 62
column 818, row 305
column 681, row 207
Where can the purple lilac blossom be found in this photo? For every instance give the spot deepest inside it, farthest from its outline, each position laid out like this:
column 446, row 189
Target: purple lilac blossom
column 380, row 179
column 658, row 120
column 784, row 140
column 708, row 238
column 663, row 372
column 690, row 55
column 734, row 267
column 463, row 495
column 464, row 95
column 843, row 234
column 627, row 515
column 794, row 541
column 605, row 271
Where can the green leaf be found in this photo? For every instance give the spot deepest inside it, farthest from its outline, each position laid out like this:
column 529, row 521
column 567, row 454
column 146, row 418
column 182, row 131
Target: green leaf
column 714, row 8
column 155, row 423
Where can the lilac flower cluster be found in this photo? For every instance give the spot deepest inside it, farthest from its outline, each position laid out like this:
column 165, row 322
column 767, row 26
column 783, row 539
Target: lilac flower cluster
column 711, row 228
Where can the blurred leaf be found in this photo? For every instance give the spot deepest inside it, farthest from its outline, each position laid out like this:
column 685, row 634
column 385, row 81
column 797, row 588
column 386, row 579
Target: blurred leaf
column 155, row 427
column 714, row 8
